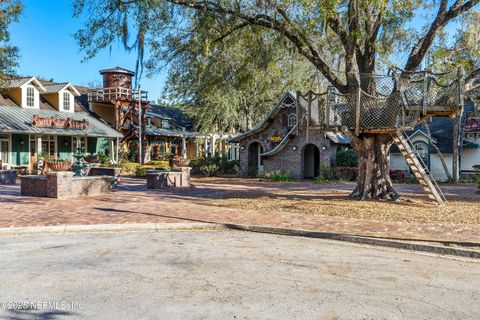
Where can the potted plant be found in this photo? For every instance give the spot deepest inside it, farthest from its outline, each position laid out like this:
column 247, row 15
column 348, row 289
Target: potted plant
column 54, row 164
column 179, row 161
column 94, row 158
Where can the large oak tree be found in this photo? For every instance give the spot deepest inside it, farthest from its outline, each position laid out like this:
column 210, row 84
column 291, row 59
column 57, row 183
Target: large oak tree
column 366, row 34
column 9, row 12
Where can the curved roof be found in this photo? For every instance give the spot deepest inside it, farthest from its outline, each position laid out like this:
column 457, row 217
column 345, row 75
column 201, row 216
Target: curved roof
column 117, row 69
column 264, row 123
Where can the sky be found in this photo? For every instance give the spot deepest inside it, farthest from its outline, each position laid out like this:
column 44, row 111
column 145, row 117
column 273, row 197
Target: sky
column 44, row 36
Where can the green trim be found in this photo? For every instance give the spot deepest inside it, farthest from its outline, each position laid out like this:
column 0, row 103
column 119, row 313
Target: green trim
column 64, row 147
column 20, row 152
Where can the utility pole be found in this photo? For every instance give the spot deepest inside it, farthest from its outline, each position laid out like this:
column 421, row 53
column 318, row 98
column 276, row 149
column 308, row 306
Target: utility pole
column 140, row 153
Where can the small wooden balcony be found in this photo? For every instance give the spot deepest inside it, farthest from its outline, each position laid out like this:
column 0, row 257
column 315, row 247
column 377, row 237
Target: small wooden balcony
column 114, row 94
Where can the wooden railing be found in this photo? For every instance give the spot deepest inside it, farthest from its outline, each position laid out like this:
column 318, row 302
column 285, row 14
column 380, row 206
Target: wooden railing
column 117, row 93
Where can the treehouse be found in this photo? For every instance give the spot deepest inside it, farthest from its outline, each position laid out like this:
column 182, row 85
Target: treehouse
column 388, row 105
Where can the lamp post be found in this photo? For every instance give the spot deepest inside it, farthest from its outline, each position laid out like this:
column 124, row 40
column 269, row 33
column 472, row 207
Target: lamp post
column 140, row 154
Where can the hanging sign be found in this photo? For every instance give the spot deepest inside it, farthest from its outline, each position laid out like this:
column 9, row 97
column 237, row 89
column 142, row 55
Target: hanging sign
column 276, row 138
column 59, row 123
column 472, row 125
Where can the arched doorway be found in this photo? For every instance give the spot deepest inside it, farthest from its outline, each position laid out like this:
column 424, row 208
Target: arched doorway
column 254, row 159
column 311, row 161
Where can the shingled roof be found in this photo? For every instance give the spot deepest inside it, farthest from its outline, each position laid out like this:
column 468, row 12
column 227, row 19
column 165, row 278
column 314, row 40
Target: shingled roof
column 176, row 115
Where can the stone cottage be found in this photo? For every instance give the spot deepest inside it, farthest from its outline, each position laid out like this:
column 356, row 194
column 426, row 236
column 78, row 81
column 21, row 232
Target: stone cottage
column 276, row 144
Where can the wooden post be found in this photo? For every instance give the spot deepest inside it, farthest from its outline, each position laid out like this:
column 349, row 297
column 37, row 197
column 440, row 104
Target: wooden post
column 425, row 93
column 457, row 128
column 327, row 109
column 309, row 112
column 298, row 104
column 357, row 111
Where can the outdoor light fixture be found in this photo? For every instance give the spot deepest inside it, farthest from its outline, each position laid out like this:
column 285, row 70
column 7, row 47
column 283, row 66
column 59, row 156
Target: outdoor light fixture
column 324, row 148
column 21, row 141
column 242, row 148
column 294, row 148
column 65, row 143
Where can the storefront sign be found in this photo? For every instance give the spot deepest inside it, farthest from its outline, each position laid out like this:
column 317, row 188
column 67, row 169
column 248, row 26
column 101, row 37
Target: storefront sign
column 276, row 138
column 472, row 124
column 59, row 123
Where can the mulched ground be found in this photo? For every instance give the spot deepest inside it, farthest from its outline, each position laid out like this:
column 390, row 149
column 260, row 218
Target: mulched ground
column 331, row 199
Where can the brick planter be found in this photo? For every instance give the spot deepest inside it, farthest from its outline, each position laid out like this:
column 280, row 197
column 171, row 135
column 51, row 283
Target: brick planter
column 8, row 176
column 159, row 179
column 63, row 185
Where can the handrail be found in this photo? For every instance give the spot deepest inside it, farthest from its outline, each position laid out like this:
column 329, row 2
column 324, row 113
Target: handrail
column 117, row 93
column 425, row 168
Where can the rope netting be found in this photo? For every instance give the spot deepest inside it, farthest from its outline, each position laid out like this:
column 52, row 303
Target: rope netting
column 396, row 101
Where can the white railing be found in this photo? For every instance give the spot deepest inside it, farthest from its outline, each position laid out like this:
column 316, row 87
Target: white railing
column 117, row 93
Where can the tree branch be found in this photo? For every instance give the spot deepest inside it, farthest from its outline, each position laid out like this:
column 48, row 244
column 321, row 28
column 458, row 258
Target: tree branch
column 270, row 23
column 443, row 17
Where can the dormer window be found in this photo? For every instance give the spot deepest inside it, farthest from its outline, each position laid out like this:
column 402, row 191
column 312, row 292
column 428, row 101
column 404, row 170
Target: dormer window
column 165, row 124
column 66, row 101
column 30, row 97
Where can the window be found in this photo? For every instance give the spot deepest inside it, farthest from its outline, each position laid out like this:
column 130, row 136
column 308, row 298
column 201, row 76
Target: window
column 47, row 147
column 421, row 149
column 66, row 101
column 4, row 151
column 292, row 120
column 30, row 97
column 149, row 123
column 165, row 124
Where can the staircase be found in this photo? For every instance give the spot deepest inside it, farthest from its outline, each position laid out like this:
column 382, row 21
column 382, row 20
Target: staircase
column 419, row 168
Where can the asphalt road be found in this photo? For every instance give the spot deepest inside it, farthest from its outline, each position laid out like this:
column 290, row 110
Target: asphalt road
column 227, row 275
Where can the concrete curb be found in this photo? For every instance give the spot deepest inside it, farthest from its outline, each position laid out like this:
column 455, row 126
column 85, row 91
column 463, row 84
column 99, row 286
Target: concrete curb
column 155, row 227
column 105, row 228
column 399, row 244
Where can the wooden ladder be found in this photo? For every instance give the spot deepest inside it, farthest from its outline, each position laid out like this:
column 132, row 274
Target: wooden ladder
column 419, row 168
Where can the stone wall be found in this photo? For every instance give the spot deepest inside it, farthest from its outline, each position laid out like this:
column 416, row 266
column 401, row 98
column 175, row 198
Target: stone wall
column 292, row 160
column 33, row 186
column 287, row 159
column 91, row 186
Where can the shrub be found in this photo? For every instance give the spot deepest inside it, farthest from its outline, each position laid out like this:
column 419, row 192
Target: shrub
column 103, row 158
column 346, row 158
column 343, row 173
column 223, row 165
column 320, row 179
column 160, row 163
column 399, row 175
column 279, row 176
column 210, row 170
column 127, row 167
column 141, row 170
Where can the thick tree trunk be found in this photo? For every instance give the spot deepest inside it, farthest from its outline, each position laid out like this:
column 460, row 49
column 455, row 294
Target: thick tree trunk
column 373, row 168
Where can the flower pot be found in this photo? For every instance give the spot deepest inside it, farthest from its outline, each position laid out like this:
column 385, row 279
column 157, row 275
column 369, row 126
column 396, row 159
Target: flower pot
column 181, row 162
column 59, row 165
column 92, row 159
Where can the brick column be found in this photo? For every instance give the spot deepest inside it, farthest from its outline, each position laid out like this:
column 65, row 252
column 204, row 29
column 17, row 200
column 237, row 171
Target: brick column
column 60, row 184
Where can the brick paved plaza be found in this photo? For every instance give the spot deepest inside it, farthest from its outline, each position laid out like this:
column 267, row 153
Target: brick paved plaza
column 219, row 200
